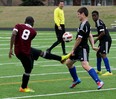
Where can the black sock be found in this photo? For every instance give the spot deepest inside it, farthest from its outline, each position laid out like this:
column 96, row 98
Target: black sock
column 51, row 56
column 25, row 80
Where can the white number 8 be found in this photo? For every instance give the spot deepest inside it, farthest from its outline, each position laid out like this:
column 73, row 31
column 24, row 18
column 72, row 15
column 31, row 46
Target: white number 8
column 25, row 34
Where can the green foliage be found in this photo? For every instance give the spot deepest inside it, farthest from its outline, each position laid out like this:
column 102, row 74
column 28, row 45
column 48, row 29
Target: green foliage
column 32, row 3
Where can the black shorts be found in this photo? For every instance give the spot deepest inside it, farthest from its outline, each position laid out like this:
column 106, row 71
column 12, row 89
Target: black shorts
column 81, row 54
column 35, row 53
column 104, row 47
column 28, row 60
column 59, row 33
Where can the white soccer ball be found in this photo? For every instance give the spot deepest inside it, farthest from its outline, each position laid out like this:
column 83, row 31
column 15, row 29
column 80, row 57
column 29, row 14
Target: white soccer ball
column 67, row 37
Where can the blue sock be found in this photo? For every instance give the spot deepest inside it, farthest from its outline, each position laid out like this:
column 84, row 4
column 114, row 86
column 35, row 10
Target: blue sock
column 94, row 75
column 99, row 59
column 107, row 65
column 73, row 73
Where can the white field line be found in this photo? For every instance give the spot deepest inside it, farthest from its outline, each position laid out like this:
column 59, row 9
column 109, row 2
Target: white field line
column 63, row 93
column 38, row 39
column 44, row 74
column 46, row 61
column 6, row 44
column 112, row 48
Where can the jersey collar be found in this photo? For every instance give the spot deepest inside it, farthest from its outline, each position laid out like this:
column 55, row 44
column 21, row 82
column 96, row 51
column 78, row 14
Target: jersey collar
column 28, row 25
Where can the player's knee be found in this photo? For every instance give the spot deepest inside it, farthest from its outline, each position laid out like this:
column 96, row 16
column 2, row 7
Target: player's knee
column 69, row 64
column 86, row 66
column 27, row 74
column 28, row 70
column 43, row 54
column 103, row 55
column 98, row 55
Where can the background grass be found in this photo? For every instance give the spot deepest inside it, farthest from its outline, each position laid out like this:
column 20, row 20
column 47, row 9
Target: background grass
column 44, row 15
column 49, row 76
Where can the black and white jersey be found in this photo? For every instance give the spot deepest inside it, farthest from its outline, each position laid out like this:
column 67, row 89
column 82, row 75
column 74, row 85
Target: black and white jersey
column 102, row 28
column 83, row 32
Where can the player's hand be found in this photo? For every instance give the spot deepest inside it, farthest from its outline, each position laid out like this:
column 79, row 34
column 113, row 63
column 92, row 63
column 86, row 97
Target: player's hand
column 95, row 48
column 10, row 54
column 59, row 27
column 72, row 53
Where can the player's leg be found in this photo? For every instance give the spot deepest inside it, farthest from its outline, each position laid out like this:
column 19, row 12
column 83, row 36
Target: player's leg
column 53, row 45
column 99, row 60
column 62, row 42
column 63, row 48
column 36, row 53
column 89, row 69
column 73, row 73
column 92, row 73
column 28, row 65
column 57, row 42
column 104, row 50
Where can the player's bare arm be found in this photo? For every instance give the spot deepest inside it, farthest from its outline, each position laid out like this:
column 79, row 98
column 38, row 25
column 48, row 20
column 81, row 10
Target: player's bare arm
column 99, row 37
column 12, row 43
column 91, row 40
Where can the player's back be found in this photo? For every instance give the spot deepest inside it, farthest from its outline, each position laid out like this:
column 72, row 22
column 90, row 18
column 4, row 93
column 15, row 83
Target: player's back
column 25, row 33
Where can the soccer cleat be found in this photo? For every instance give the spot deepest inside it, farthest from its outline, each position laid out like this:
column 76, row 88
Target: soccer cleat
column 100, row 84
column 107, row 74
column 64, row 58
column 26, row 90
column 75, row 83
column 99, row 72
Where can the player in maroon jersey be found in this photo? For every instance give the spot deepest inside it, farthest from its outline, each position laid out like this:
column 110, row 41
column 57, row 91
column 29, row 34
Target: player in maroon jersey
column 21, row 38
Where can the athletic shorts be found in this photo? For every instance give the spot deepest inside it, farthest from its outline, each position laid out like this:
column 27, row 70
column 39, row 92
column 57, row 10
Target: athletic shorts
column 28, row 60
column 81, row 54
column 104, row 47
column 35, row 53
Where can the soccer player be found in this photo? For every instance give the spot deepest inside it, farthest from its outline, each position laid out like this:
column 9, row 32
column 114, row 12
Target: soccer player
column 21, row 38
column 80, row 50
column 59, row 20
column 104, row 44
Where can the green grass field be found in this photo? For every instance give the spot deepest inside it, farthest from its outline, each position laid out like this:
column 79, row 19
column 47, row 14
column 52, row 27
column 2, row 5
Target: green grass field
column 50, row 79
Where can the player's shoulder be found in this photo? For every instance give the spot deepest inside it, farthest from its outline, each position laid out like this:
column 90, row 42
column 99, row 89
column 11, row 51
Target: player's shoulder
column 57, row 9
column 99, row 22
column 87, row 23
column 84, row 24
column 19, row 24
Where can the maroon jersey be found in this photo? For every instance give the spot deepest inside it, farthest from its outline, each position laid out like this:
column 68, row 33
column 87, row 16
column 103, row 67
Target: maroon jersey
column 25, row 33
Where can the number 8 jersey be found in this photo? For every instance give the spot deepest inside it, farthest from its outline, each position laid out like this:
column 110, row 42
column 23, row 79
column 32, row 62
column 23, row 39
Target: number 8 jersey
column 25, row 33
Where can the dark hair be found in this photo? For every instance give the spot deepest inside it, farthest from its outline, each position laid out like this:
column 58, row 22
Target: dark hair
column 95, row 12
column 83, row 10
column 61, row 1
column 29, row 20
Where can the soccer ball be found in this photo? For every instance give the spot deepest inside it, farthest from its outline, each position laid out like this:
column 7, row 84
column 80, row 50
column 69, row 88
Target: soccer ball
column 67, row 37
